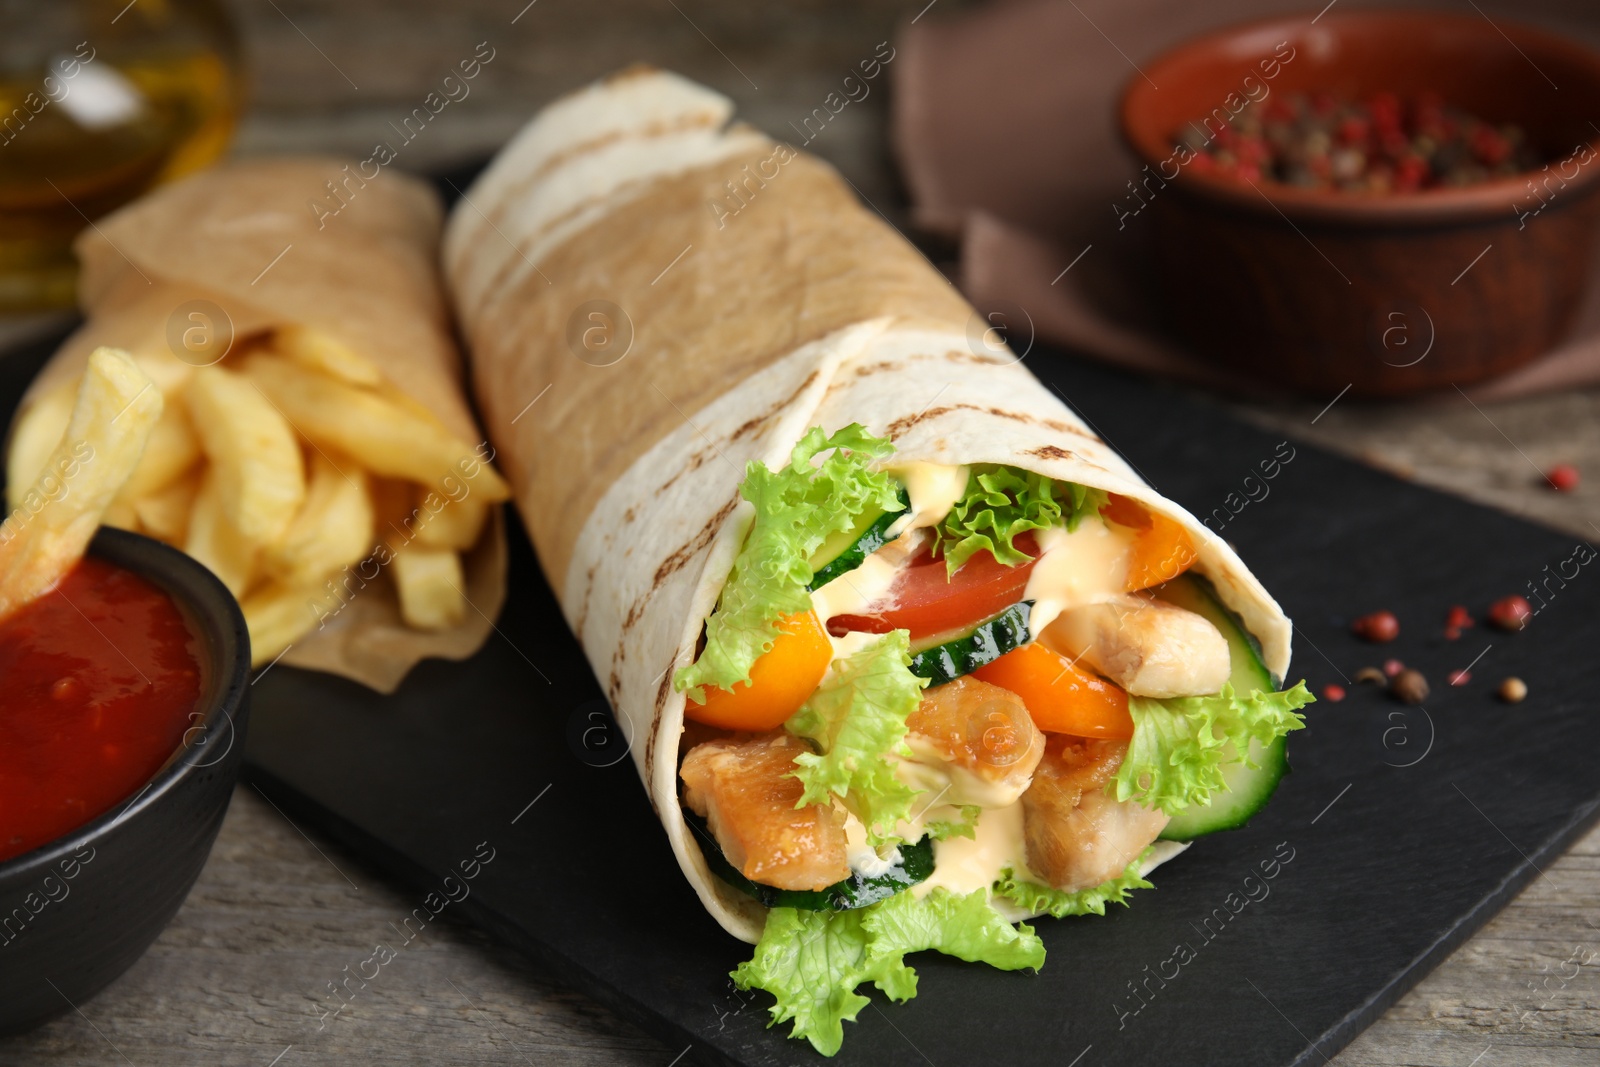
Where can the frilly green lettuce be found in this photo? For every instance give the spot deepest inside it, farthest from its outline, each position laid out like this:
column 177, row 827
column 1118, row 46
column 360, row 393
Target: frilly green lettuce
column 857, row 718
column 1181, row 745
column 813, row 961
column 1000, row 504
column 796, row 508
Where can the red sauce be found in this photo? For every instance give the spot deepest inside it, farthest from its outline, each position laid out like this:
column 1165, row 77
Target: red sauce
column 98, row 681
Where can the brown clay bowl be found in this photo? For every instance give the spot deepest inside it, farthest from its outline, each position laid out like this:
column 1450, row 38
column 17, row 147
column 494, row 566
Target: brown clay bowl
column 1315, row 290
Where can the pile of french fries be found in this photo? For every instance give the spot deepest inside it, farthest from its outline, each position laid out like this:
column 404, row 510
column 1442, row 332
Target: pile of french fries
column 298, row 475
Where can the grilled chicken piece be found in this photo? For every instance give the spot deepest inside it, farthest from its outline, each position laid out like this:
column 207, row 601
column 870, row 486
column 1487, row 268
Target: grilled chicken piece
column 1077, row 836
column 1149, row 647
column 743, row 789
column 982, row 729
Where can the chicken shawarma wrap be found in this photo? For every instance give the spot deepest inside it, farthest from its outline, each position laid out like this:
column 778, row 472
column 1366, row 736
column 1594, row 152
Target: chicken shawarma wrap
column 906, row 652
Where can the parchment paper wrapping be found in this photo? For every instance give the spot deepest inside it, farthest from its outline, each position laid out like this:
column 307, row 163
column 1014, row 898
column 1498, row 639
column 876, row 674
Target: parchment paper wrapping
column 760, row 298
column 247, row 239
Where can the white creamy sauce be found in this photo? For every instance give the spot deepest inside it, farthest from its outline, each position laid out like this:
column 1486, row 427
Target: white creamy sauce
column 845, row 647
column 934, row 488
column 862, row 857
column 962, row 864
column 1084, row 566
column 854, row 590
column 948, row 783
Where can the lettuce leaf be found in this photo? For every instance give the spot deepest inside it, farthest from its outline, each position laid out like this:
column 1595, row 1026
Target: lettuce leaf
column 964, row 926
column 1059, row 903
column 857, row 718
column 966, row 826
column 813, row 961
column 796, row 508
column 1181, row 745
column 1002, row 503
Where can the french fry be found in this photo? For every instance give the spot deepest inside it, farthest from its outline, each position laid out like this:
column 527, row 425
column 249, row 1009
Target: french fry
column 321, row 352
column 381, row 435
column 47, row 534
column 278, row 615
column 164, row 514
column 256, row 466
column 172, row 449
column 455, row 524
column 166, row 369
column 36, row 436
column 430, row 583
column 212, row 539
column 333, row 529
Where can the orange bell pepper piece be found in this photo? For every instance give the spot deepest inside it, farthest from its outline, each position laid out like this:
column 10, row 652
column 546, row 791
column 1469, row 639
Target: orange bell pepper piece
column 1161, row 547
column 780, row 681
column 1061, row 697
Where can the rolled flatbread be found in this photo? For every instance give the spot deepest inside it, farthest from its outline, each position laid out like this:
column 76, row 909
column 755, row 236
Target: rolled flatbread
column 655, row 296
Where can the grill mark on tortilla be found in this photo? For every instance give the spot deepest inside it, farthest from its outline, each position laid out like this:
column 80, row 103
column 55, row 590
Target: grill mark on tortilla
column 695, row 462
column 663, row 691
column 898, row 427
column 1048, row 452
column 956, row 355
column 653, row 131
column 588, row 592
column 675, row 562
column 869, row 369
column 772, row 412
column 493, row 287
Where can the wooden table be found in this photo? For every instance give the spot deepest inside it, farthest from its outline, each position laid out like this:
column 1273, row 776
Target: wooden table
column 241, row 974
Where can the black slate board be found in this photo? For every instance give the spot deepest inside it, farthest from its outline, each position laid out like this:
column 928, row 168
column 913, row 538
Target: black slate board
column 1436, row 815
column 1407, row 828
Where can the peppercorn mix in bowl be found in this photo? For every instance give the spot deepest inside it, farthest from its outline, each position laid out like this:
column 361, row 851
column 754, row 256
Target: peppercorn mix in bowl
column 1389, row 201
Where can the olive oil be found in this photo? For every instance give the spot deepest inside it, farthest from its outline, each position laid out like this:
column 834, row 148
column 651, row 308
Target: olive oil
column 87, row 125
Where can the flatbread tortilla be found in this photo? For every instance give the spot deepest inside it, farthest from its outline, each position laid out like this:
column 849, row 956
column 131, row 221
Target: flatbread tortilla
column 757, row 298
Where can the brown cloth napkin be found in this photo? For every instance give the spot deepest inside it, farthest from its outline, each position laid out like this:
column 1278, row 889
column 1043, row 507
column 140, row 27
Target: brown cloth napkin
column 1005, row 127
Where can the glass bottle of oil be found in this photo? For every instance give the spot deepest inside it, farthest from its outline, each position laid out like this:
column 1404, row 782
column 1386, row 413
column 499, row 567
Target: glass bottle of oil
column 99, row 101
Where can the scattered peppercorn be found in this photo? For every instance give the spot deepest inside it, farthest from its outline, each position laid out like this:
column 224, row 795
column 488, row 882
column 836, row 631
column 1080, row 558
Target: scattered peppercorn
column 1392, row 667
column 1381, row 144
column 1333, row 693
column 1459, row 677
column 1372, row 674
column 1513, row 690
column 1452, row 634
column 1409, row 687
column 1510, row 613
column 1563, row 477
column 1458, row 618
column 1379, row 627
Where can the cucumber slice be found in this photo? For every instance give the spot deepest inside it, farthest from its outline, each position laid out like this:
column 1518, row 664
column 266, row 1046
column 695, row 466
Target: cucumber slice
column 844, row 551
column 946, row 657
column 1249, row 788
column 857, row 891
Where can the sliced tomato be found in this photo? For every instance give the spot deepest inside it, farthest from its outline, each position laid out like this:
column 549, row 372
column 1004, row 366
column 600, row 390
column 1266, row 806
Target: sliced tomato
column 926, row 600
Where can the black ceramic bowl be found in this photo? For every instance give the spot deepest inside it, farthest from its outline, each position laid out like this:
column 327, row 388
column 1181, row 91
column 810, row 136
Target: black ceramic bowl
column 76, row 913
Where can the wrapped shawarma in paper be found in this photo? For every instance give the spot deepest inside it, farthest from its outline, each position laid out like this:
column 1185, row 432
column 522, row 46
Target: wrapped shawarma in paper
column 316, row 449
column 907, row 652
